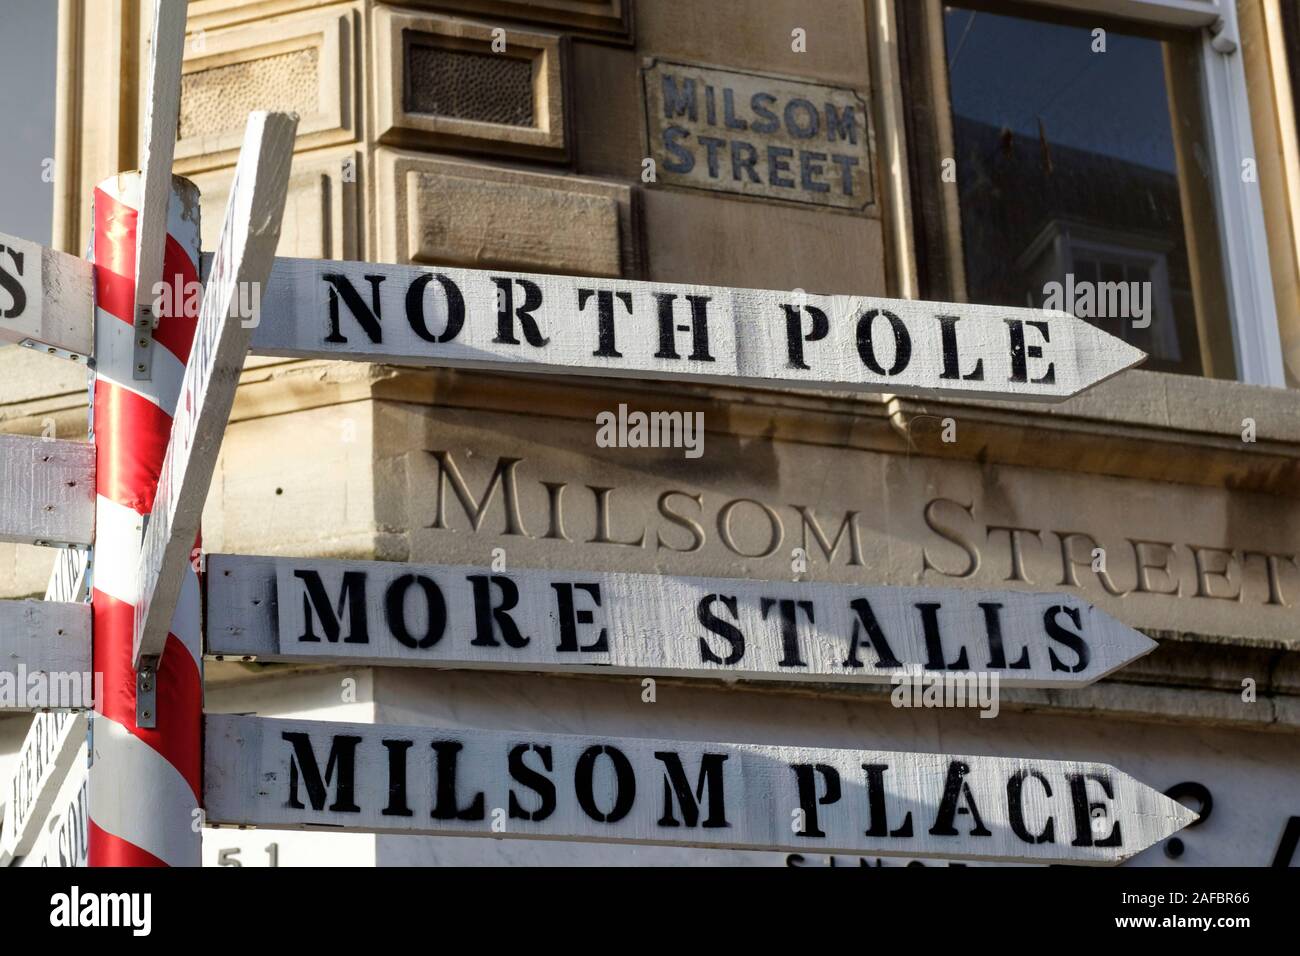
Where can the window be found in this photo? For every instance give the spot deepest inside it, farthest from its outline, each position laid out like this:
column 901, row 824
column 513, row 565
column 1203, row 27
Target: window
column 1095, row 170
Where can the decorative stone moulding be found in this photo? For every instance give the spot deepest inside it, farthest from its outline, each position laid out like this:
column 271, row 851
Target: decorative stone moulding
column 483, row 217
column 303, row 64
column 608, row 20
column 457, row 84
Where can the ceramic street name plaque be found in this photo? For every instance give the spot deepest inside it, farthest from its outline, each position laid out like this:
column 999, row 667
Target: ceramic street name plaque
column 758, row 135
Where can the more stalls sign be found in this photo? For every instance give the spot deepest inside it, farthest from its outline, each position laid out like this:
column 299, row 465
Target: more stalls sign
column 758, row 135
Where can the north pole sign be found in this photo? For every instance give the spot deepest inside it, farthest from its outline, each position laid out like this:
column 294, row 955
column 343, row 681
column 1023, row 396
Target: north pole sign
column 294, row 774
column 563, row 325
column 385, row 613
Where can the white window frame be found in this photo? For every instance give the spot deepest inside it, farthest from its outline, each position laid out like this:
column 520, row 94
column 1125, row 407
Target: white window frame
column 1257, row 340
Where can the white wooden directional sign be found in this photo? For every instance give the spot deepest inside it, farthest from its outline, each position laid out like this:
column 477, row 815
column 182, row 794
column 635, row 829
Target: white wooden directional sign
column 293, row 774
column 559, row 324
column 47, row 491
column 47, row 754
column 45, row 299
column 162, row 113
column 242, row 261
column 45, row 658
column 377, row 612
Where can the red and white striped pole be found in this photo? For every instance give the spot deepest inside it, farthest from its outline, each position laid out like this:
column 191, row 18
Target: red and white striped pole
column 144, row 783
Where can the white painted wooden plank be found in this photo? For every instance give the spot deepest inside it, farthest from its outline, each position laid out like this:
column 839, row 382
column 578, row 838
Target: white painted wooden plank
column 45, row 656
column 565, row 325
column 162, row 113
column 46, row 756
column 243, row 260
column 46, row 299
column 47, row 491
column 386, row 613
column 294, row 774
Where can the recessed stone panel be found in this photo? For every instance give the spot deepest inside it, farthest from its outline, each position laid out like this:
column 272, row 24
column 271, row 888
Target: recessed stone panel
column 303, row 64
column 457, row 84
column 466, row 214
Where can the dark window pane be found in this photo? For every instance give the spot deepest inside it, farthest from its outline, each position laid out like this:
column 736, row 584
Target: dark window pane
column 1075, row 183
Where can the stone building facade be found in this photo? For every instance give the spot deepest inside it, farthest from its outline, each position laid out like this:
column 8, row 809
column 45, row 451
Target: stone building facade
column 847, row 146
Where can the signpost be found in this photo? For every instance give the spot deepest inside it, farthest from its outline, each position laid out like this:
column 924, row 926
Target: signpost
column 45, row 299
column 300, row 774
column 385, row 613
column 294, row 774
column 49, row 491
column 243, row 260
column 510, row 321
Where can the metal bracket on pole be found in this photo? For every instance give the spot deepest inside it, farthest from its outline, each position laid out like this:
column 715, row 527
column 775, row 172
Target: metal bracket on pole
column 142, row 359
column 146, row 693
column 55, row 350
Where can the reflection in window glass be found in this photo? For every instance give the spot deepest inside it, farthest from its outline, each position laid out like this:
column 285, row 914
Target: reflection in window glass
column 1074, row 182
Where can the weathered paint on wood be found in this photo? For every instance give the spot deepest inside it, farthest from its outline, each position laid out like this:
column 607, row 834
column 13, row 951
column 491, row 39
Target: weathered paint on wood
column 43, row 762
column 44, row 654
column 162, row 115
column 566, row 325
column 47, row 491
column 376, row 612
column 243, row 259
column 295, row 774
column 46, row 299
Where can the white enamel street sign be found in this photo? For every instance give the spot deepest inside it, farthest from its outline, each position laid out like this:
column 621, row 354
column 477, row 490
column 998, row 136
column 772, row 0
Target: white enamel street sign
column 386, row 613
column 243, row 260
column 48, row 492
column 412, row 315
column 162, row 113
column 293, row 774
column 45, row 658
column 46, row 299
column 47, row 755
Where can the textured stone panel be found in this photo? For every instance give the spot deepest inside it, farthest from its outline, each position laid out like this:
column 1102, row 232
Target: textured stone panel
column 464, row 84
column 485, row 217
column 455, row 220
column 449, row 84
column 220, row 99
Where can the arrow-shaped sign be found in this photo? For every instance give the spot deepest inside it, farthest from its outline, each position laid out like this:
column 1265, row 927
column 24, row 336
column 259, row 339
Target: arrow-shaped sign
column 295, row 774
column 565, row 325
column 243, row 260
column 45, row 299
column 49, row 491
column 385, row 613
